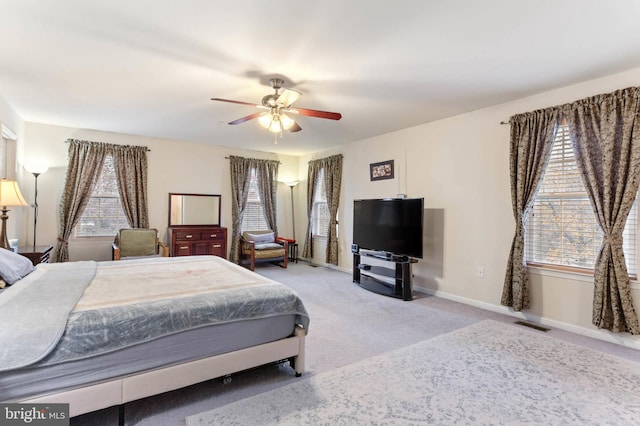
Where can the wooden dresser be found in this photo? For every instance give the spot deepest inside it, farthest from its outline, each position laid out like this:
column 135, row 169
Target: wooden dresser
column 198, row 240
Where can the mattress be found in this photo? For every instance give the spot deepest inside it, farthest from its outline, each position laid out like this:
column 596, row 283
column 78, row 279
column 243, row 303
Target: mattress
column 179, row 294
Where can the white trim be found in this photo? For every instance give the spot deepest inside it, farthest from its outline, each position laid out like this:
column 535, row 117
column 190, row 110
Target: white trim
column 574, row 276
column 7, row 133
column 326, row 265
column 595, row 334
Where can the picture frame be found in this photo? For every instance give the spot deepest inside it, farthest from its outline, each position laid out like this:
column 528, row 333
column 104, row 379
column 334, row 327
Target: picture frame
column 381, row 171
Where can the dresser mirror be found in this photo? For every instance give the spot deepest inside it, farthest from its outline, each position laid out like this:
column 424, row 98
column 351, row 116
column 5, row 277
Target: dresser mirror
column 194, row 209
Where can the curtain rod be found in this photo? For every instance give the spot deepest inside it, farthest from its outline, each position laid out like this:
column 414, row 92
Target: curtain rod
column 148, row 150
column 279, row 162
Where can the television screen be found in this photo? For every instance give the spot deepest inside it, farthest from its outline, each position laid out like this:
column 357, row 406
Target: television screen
column 392, row 225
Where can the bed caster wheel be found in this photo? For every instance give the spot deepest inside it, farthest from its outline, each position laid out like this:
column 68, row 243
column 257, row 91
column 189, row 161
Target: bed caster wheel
column 226, row 380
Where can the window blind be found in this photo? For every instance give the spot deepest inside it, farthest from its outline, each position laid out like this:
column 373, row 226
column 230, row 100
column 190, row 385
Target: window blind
column 562, row 228
column 103, row 215
column 253, row 216
column 321, row 213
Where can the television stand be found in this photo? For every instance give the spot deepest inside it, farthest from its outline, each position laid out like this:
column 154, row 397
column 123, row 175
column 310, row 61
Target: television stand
column 393, row 282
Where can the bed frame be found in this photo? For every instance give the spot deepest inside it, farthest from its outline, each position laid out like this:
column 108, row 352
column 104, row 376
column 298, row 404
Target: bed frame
column 93, row 397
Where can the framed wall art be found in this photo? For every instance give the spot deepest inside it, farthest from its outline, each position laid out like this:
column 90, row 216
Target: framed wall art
column 381, row 171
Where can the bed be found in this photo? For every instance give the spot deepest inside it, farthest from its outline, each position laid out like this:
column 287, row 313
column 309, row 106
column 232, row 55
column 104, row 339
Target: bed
column 99, row 334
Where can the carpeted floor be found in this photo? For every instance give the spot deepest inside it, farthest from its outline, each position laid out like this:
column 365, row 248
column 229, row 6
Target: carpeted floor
column 348, row 324
column 487, row 373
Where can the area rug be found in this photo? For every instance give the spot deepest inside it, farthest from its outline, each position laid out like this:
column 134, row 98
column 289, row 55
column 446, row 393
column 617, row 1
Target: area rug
column 489, row 373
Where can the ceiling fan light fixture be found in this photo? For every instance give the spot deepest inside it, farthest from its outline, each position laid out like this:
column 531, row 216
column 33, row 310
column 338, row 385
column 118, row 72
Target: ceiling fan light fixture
column 271, row 122
column 265, row 120
column 275, row 122
column 275, row 127
column 286, row 121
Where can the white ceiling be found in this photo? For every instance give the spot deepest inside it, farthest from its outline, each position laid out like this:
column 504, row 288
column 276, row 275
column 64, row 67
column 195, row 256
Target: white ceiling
column 150, row 67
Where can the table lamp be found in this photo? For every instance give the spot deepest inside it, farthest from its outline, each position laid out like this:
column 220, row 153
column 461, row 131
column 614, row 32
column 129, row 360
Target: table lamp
column 9, row 196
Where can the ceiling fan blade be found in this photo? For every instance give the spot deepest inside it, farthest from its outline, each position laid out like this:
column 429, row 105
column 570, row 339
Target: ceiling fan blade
column 247, row 118
column 295, row 128
column 237, row 102
column 316, row 113
column 288, row 97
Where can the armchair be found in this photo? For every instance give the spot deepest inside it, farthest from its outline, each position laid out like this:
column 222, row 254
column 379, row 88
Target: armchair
column 137, row 243
column 263, row 246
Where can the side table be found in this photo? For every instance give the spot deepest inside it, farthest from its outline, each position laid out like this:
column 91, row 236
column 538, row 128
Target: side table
column 293, row 252
column 37, row 254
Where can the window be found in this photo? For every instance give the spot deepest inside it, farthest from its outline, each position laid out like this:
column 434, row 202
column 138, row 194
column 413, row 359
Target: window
column 253, row 216
column 320, row 214
column 103, row 215
column 562, row 230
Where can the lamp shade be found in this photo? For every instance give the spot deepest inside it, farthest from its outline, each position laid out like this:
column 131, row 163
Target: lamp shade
column 37, row 168
column 10, row 194
column 286, row 121
column 265, row 120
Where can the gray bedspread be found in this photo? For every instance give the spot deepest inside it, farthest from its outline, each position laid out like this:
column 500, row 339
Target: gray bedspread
column 34, row 312
column 98, row 331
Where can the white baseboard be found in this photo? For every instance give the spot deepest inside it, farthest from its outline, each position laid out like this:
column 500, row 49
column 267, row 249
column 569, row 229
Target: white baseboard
column 326, row 265
column 617, row 338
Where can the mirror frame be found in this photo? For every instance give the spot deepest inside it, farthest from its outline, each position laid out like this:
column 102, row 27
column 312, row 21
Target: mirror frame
column 218, row 196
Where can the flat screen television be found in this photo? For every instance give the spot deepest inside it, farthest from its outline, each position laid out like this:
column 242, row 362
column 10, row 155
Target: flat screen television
column 390, row 225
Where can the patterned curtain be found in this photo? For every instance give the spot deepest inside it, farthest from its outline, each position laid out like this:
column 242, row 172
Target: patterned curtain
column 240, row 179
column 532, row 136
column 312, row 177
column 605, row 130
column 332, row 178
column 130, row 163
column 267, row 174
column 85, row 164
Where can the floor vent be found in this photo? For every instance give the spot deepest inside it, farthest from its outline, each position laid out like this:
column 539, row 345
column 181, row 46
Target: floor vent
column 532, row 325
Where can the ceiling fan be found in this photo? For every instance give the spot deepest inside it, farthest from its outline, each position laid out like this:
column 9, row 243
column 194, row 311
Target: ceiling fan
column 278, row 108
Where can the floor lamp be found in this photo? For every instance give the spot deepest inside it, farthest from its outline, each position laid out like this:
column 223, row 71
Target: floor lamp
column 36, row 171
column 9, row 196
column 293, row 216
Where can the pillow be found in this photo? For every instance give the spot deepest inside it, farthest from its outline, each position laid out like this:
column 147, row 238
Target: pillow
column 13, row 266
column 268, row 246
column 261, row 238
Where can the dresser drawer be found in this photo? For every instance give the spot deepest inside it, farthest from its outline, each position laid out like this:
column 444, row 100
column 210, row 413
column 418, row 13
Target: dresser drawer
column 211, row 236
column 182, row 249
column 187, row 236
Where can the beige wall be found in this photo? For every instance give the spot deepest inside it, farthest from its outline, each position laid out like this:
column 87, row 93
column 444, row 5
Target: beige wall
column 459, row 165
column 10, row 120
column 174, row 166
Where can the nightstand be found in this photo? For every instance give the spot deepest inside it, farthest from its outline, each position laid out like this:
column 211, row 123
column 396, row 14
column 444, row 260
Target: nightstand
column 293, row 251
column 37, row 254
